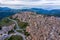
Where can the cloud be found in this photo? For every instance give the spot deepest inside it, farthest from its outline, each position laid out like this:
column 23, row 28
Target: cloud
column 30, row 3
column 29, row 0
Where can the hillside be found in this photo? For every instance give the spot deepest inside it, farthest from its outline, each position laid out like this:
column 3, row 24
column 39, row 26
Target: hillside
column 41, row 27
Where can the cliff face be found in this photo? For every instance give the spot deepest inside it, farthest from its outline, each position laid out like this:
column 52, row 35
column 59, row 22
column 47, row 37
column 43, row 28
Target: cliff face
column 40, row 27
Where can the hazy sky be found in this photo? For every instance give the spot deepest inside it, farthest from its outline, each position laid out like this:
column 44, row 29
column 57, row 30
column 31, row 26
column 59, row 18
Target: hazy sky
column 30, row 3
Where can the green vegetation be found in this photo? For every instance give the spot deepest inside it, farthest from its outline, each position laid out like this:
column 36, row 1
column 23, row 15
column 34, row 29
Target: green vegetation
column 12, row 31
column 26, row 33
column 6, row 38
column 5, row 21
column 14, row 18
column 19, row 31
column 0, row 27
column 23, row 25
column 15, row 37
column 14, row 27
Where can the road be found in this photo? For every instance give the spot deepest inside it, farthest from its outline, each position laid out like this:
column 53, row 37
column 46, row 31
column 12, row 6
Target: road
column 16, row 33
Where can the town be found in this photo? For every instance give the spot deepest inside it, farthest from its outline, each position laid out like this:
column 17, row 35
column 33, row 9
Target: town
column 30, row 26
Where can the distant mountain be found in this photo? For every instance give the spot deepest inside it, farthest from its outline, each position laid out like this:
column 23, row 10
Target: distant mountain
column 54, row 12
column 40, row 11
column 5, row 11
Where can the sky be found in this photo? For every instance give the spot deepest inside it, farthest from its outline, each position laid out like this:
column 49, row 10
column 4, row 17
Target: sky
column 17, row 4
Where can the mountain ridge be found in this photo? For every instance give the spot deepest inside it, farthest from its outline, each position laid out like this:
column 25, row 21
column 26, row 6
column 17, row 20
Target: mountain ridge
column 5, row 11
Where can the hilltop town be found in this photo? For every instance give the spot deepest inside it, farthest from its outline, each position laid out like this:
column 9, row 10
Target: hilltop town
column 34, row 26
column 41, row 27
